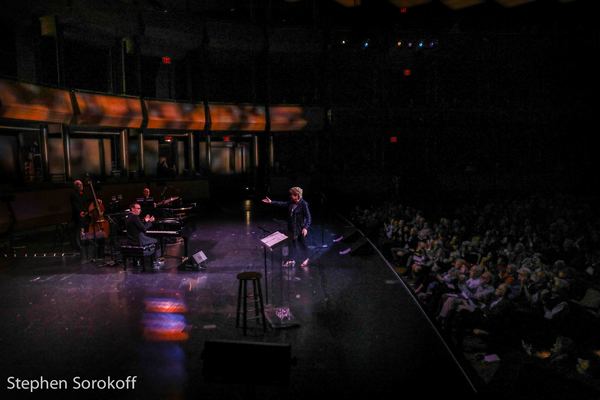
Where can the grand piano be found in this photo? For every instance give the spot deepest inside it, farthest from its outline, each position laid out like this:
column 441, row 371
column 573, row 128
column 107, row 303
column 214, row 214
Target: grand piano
column 170, row 214
column 168, row 228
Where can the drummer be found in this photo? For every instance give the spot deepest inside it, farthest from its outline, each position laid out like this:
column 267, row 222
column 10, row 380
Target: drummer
column 147, row 202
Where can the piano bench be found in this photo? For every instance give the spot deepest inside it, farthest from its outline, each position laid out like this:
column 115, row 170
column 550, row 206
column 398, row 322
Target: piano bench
column 137, row 253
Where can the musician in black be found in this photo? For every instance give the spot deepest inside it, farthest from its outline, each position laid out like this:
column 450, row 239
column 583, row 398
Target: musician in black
column 136, row 230
column 79, row 220
column 299, row 220
column 147, row 202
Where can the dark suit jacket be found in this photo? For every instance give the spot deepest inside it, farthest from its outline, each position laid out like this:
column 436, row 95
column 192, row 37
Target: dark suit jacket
column 135, row 227
column 79, row 203
column 298, row 216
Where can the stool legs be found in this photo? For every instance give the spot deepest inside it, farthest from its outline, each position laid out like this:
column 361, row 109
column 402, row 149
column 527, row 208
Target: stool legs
column 242, row 304
column 262, row 307
column 239, row 305
column 245, row 309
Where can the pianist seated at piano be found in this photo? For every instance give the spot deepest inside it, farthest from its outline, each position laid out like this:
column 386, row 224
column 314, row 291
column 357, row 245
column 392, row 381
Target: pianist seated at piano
column 136, row 231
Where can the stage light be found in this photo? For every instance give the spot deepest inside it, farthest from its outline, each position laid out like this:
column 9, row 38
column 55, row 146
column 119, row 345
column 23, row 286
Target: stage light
column 393, row 139
column 365, row 44
column 399, row 43
column 166, row 60
column 410, row 44
column 343, row 42
column 407, row 72
column 421, row 44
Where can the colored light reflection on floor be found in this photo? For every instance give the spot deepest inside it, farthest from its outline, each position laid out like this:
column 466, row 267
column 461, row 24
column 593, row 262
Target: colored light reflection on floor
column 163, row 318
column 164, row 327
column 165, row 305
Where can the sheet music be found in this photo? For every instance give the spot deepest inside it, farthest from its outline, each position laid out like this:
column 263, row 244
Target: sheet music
column 273, row 239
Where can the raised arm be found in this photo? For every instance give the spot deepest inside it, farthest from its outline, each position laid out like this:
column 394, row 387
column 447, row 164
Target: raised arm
column 267, row 200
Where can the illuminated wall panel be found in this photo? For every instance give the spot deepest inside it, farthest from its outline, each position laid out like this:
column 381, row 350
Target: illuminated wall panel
column 24, row 101
column 171, row 115
column 100, row 110
column 295, row 118
column 231, row 117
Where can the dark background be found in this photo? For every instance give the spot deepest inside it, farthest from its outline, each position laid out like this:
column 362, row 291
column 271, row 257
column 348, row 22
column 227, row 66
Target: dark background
column 497, row 101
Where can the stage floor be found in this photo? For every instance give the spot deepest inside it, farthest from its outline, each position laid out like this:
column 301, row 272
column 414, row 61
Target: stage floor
column 359, row 332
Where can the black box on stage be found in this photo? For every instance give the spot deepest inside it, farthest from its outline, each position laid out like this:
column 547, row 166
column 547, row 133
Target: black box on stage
column 196, row 262
column 226, row 361
column 199, row 258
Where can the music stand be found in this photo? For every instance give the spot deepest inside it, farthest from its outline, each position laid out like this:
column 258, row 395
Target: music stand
column 279, row 316
column 114, row 228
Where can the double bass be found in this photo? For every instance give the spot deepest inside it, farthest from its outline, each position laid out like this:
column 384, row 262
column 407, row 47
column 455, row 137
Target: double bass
column 98, row 225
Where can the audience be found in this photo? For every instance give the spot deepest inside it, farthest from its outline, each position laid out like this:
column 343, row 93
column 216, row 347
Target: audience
column 521, row 274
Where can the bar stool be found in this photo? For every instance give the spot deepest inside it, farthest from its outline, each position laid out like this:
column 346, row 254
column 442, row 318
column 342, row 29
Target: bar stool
column 243, row 296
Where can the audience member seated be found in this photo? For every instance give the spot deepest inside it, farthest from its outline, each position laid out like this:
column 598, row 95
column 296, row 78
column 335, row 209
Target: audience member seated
column 517, row 273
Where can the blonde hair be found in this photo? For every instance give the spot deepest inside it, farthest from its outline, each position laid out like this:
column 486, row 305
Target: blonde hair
column 296, row 190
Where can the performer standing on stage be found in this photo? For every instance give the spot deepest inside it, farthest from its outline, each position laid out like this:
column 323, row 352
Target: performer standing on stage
column 299, row 221
column 79, row 207
column 136, row 230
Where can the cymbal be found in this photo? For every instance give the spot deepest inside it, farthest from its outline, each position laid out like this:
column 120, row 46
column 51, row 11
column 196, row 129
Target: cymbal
column 180, row 209
column 167, row 201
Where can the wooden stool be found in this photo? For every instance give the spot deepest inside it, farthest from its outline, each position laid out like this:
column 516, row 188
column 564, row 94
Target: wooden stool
column 243, row 296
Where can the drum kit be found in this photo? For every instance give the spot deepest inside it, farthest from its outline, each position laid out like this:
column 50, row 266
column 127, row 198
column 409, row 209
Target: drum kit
column 170, row 212
column 168, row 201
column 174, row 208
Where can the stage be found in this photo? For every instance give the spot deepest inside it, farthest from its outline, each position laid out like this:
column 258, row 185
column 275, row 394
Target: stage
column 358, row 332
